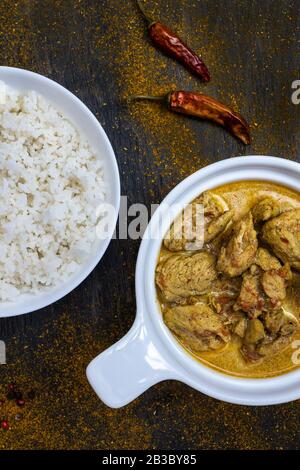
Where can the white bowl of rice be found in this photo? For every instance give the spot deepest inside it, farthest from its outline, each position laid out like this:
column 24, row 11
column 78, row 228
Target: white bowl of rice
column 58, row 179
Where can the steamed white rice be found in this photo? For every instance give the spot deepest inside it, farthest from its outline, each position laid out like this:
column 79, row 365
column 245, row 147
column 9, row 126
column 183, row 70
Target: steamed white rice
column 51, row 183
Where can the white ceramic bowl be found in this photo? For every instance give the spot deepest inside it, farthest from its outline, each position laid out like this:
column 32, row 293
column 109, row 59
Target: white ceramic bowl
column 149, row 353
column 86, row 122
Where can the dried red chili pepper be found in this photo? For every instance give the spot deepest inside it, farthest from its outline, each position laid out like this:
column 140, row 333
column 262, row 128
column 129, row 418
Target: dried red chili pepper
column 167, row 41
column 205, row 107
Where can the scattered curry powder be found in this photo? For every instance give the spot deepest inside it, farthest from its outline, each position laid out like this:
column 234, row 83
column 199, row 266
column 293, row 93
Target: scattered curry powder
column 143, row 69
column 100, row 50
column 60, row 383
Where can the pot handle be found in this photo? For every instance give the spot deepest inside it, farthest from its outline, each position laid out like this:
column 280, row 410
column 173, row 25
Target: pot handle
column 128, row 368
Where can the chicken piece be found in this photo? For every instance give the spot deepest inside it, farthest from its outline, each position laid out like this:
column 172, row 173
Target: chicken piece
column 223, row 297
column 268, row 208
column 233, row 320
column 254, row 335
column 274, row 321
column 251, row 298
column 290, row 325
column 241, row 327
column 281, row 328
column 187, row 229
column 199, row 223
column 271, row 347
column 255, row 331
column 274, row 283
column 266, row 261
column 198, row 327
column 217, row 226
column 224, row 294
column 182, row 275
column 283, row 235
column 216, row 244
column 214, row 205
column 239, row 254
column 262, row 291
column 222, row 303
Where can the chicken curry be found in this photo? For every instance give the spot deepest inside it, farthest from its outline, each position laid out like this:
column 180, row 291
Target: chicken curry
column 229, row 290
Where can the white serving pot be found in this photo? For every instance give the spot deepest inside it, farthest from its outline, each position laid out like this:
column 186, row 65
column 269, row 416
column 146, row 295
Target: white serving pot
column 149, row 353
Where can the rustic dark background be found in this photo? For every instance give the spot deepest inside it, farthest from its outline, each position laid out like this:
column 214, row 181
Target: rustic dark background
column 99, row 50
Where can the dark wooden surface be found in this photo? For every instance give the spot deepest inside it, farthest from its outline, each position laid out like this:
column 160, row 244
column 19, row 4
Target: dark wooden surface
column 100, row 51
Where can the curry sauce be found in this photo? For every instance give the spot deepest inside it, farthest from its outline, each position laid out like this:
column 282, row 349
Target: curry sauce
column 234, row 302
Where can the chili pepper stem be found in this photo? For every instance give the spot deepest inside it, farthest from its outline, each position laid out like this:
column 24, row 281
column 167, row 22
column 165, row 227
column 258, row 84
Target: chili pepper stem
column 142, row 10
column 149, row 97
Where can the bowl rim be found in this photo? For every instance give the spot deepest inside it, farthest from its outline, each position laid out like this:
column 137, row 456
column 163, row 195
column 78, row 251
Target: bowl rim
column 230, row 388
column 57, row 293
